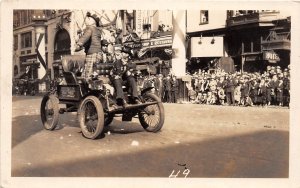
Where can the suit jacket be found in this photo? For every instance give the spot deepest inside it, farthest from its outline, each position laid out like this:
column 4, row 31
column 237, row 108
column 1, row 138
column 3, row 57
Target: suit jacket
column 167, row 84
column 122, row 70
column 91, row 40
column 230, row 85
column 175, row 85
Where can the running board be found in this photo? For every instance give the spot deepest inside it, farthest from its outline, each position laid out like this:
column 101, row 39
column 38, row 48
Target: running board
column 131, row 106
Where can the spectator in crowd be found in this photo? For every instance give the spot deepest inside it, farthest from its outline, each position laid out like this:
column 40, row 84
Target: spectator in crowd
column 273, row 85
column 221, row 95
column 262, row 92
column 279, row 90
column 174, row 89
column 192, row 95
column 237, row 94
column 167, row 89
column 229, row 89
column 158, row 83
column 286, row 88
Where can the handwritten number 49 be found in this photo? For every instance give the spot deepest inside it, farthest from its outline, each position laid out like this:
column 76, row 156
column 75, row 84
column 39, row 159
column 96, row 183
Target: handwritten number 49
column 185, row 173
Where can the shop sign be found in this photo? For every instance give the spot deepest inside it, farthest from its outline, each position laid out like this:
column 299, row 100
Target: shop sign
column 153, row 43
column 252, row 58
column 271, row 56
column 138, row 26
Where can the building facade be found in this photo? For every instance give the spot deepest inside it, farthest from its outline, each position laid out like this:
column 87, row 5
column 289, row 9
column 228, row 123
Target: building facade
column 25, row 56
column 64, row 27
column 251, row 39
column 206, row 44
column 259, row 38
column 134, row 28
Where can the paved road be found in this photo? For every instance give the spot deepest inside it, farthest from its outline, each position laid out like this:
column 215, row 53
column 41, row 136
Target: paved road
column 197, row 140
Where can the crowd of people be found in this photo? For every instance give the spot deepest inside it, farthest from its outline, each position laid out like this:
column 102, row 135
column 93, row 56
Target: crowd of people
column 272, row 87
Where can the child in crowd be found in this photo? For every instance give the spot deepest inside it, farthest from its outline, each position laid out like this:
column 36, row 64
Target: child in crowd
column 237, row 94
column 203, row 98
column 221, row 95
column 192, row 95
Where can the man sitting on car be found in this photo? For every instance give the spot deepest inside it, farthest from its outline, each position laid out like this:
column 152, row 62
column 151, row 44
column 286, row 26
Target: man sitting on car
column 123, row 70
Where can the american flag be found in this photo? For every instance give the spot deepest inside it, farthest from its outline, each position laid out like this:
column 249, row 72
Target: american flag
column 169, row 51
column 142, row 52
column 27, row 69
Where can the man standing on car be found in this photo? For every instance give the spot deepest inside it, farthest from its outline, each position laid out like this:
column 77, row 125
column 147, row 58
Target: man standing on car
column 91, row 42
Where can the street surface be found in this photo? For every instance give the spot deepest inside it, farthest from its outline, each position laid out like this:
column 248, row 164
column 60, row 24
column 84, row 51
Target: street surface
column 195, row 141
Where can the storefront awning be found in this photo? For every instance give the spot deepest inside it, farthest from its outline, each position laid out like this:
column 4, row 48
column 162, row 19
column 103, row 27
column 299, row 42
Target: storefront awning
column 207, row 47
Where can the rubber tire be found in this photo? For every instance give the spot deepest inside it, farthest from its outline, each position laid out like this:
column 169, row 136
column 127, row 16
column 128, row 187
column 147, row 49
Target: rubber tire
column 54, row 100
column 100, row 113
column 159, row 125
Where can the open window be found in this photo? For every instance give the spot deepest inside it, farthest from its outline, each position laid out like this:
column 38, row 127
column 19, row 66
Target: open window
column 204, row 17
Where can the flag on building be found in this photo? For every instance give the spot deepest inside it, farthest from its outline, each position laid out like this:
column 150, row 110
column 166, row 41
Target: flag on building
column 142, row 52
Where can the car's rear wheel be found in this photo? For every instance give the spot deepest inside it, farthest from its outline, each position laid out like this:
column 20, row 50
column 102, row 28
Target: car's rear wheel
column 49, row 111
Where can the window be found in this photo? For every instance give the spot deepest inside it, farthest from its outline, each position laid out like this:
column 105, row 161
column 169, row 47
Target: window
column 204, row 17
column 16, row 70
column 26, row 40
column 62, row 45
column 62, row 41
column 256, row 45
column 16, row 19
column 16, row 42
column 147, row 27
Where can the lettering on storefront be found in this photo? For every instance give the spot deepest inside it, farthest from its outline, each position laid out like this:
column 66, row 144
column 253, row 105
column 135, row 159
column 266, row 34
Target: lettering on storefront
column 252, row 58
column 271, row 56
column 139, row 28
column 154, row 43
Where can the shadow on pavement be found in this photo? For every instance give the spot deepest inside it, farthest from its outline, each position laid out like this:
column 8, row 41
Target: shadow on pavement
column 22, row 130
column 228, row 157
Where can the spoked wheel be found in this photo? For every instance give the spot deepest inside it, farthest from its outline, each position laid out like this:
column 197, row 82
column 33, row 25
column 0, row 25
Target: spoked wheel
column 91, row 117
column 49, row 111
column 152, row 117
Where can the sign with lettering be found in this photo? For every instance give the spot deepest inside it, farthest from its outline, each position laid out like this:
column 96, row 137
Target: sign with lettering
column 252, row 58
column 153, row 43
column 271, row 56
column 138, row 23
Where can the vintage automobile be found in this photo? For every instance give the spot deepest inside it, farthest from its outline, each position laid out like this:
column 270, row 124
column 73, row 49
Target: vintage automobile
column 94, row 102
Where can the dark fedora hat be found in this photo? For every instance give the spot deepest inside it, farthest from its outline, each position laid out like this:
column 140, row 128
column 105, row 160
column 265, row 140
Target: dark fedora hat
column 104, row 42
column 95, row 17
